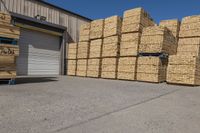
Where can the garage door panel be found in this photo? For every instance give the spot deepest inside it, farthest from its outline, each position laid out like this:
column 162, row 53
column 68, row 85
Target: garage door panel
column 39, row 53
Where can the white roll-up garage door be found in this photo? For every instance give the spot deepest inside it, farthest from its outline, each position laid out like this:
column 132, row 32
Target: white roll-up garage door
column 39, row 53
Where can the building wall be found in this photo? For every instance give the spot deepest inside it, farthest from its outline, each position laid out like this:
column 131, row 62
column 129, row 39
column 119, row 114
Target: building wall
column 32, row 8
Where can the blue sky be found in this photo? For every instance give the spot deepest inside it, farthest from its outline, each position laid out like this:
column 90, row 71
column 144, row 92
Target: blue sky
column 159, row 9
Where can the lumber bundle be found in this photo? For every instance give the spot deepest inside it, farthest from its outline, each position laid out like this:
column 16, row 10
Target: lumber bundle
column 9, row 50
column 151, row 69
column 111, row 46
column 127, row 68
column 95, row 48
column 135, row 20
column 71, row 67
column 189, row 46
column 9, row 31
column 82, row 67
column 109, row 68
column 83, row 50
column 157, row 39
column 96, row 29
column 184, row 70
column 84, row 32
column 93, row 68
column 7, row 67
column 130, row 44
column 190, row 27
column 5, row 18
column 72, row 51
column 112, row 26
column 173, row 25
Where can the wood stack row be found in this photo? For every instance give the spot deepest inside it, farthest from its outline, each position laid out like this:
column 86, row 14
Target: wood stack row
column 184, row 67
column 9, row 49
column 135, row 48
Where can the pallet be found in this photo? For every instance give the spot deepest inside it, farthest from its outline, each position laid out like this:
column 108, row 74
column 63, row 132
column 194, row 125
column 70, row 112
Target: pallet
column 178, row 84
column 4, row 40
column 9, row 81
column 161, row 55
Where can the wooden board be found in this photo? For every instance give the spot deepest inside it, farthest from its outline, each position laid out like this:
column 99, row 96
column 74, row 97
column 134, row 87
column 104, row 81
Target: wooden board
column 95, row 48
column 83, row 50
column 109, row 68
column 84, row 32
column 96, row 29
column 111, row 46
column 72, row 51
column 8, row 74
column 183, row 70
column 127, row 68
column 71, row 67
column 151, row 69
column 135, row 20
column 190, row 27
column 158, row 39
column 7, row 67
column 5, row 18
column 82, row 67
column 93, row 68
column 9, row 31
column 9, row 50
column 112, row 26
column 173, row 25
column 130, row 44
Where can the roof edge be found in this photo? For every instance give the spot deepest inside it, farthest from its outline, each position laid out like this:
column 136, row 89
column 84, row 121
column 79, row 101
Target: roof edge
column 65, row 10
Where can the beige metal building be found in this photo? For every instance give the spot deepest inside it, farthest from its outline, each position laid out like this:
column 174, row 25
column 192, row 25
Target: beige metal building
column 45, row 29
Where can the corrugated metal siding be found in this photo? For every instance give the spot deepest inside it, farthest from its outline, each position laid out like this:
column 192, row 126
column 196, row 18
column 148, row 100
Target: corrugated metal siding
column 32, row 8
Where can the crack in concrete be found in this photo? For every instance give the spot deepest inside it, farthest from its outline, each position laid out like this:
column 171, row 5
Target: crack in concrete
column 115, row 111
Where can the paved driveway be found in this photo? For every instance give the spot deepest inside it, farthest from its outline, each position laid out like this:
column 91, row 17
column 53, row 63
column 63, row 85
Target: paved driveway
column 81, row 105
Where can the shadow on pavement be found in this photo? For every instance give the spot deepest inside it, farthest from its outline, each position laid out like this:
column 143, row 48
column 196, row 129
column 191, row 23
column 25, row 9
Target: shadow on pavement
column 29, row 80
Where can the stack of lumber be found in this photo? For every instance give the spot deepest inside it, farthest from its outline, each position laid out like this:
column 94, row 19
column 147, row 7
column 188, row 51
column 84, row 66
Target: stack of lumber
column 71, row 67
column 109, row 68
column 111, row 46
column 173, row 25
column 82, row 57
column 112, row 26
column 190, row 27
column 127, row 68
column 184, row 67
column 95, row 48
column 9, row 51
column 157, row 39
column 184, row 70
column 129, row 44
column 96, row 29
column 93, row 68
column 72, row 59
column 84, row 32
column 135, row 20
column 83, row 50
column 151, row 69
column 82, row 67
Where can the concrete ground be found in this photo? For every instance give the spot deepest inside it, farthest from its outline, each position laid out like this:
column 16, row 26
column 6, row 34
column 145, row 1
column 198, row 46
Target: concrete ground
column 80, row 105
